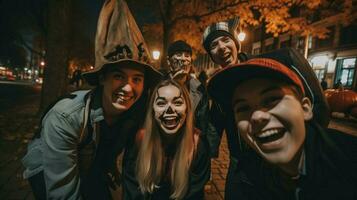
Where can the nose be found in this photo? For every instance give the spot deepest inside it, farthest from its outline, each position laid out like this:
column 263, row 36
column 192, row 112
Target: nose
column 127, row 88
column 259, row 119
column 169, row 110
column 221, row 46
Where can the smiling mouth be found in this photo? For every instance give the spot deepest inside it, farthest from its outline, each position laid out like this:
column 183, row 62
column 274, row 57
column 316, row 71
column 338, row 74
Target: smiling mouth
column 270, row 135
column 123, row 98
column 170, row 122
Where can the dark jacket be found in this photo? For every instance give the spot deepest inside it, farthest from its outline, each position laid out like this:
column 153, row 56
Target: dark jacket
column 330, row 163
column 200, row 105
column 198, row 176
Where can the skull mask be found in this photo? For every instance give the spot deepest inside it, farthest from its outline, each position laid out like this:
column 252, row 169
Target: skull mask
column 170, row 109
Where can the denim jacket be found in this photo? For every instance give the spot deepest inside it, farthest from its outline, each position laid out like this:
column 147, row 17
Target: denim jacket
column 56, row 152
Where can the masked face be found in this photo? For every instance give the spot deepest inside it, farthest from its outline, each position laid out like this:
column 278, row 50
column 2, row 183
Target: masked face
column 271, row 119
column 224, row 51
column 170, row 109
column 122, row 88
column 180, row 62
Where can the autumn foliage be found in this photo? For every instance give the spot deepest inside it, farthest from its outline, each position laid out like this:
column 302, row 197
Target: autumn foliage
column 187, row 19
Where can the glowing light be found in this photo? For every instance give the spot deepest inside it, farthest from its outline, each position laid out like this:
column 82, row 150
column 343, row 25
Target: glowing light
column 241, row 36
column 156, row 55
column 42, row 63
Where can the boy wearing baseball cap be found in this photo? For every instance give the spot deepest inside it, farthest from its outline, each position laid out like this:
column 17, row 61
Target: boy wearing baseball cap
column 292, row 157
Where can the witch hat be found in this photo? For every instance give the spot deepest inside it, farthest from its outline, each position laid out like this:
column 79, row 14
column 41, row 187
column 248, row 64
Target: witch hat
column 119, row 42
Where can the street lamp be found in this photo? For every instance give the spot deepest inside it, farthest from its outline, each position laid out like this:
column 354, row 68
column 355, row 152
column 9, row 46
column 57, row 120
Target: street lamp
column 240, row 36
column 156, row 55
column 42, row 63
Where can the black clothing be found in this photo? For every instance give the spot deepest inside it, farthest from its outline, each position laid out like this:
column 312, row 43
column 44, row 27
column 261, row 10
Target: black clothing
column 330, row 164
column 198, row 176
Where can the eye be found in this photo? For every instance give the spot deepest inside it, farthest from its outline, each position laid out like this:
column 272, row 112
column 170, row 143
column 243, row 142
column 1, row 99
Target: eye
column 138, row 80
column 226, row 39
column 118, row 76
column 241, row 108
column 178, row 102
column 271, row 101
column 160, row 103
column 213, row 45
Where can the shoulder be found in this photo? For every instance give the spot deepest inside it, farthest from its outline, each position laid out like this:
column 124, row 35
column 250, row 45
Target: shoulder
column 70, row 103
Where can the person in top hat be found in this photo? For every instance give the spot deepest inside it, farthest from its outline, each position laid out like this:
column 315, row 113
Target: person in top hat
column 74, row 155
column 294, row 157
column 180, row 69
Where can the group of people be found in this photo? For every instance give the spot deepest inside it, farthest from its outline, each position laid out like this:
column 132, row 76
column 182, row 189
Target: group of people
column 272, row 113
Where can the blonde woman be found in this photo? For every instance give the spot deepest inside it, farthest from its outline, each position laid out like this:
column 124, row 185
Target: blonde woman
column 169, row 159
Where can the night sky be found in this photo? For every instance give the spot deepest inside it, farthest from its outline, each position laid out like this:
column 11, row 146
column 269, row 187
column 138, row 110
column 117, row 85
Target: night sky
column 23, row 17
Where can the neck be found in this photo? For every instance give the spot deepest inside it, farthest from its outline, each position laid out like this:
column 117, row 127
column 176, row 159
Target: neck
column 110, row 113
column 292, row 168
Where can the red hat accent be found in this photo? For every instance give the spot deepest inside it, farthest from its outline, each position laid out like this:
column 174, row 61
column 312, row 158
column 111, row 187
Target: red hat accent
column 222, row 84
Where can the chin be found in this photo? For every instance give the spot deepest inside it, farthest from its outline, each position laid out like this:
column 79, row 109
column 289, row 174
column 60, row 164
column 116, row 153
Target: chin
column 278, row 158
column 121, row 107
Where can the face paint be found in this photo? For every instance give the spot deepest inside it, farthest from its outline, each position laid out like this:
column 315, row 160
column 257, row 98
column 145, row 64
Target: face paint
column 180, row 61
column 169, row 108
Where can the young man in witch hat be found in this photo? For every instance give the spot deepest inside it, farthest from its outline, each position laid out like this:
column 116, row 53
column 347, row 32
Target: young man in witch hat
column 74, row 155
column 295, row 158
column 180, row 69
column 221, row 44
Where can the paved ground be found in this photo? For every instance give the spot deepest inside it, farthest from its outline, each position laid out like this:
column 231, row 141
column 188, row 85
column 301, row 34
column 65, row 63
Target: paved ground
column 17, row 127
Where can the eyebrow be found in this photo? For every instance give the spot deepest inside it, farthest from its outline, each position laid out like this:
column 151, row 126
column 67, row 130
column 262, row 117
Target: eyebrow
column 269, row 89
column 266, row 90
column 139, row 74
column 163, row 98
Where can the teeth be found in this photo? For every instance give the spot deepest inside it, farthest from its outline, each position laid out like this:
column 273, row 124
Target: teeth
column 268, row 133
column 123, row 97
column 170, row 118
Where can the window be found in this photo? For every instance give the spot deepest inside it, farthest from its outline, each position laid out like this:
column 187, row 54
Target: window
column 345, row 71
column 256, row 51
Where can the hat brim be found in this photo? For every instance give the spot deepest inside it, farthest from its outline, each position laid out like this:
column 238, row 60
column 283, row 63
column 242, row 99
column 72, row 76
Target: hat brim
column 152, row 76
column 222, row 85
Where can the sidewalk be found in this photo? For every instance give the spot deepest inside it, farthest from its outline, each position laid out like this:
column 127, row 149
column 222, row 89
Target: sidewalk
column 18, row 125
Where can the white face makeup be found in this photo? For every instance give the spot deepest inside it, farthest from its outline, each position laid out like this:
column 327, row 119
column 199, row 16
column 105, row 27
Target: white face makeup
column 271, row 119
column 180, row 61
column 169, row 108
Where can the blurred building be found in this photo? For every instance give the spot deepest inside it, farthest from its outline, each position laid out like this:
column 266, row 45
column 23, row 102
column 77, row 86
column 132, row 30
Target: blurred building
column 334, row 57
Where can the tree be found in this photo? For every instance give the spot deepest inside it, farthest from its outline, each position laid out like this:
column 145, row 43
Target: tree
column 187, row 19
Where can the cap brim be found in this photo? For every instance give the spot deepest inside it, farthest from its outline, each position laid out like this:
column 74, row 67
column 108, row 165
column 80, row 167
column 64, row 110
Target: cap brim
column 152, row 76
column 222, row 85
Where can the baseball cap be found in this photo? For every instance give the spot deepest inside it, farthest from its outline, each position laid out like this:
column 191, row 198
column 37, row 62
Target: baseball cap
column 222, row 84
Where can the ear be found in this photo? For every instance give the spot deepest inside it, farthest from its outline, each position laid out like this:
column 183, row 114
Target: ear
column 307, row 108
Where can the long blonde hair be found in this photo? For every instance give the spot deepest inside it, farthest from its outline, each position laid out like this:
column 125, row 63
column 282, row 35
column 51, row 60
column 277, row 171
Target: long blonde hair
column 150, row 160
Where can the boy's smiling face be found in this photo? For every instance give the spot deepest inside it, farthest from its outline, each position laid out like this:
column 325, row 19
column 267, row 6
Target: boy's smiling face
column 270, row 118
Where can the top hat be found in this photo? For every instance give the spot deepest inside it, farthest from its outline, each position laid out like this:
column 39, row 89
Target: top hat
column 119, row 43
